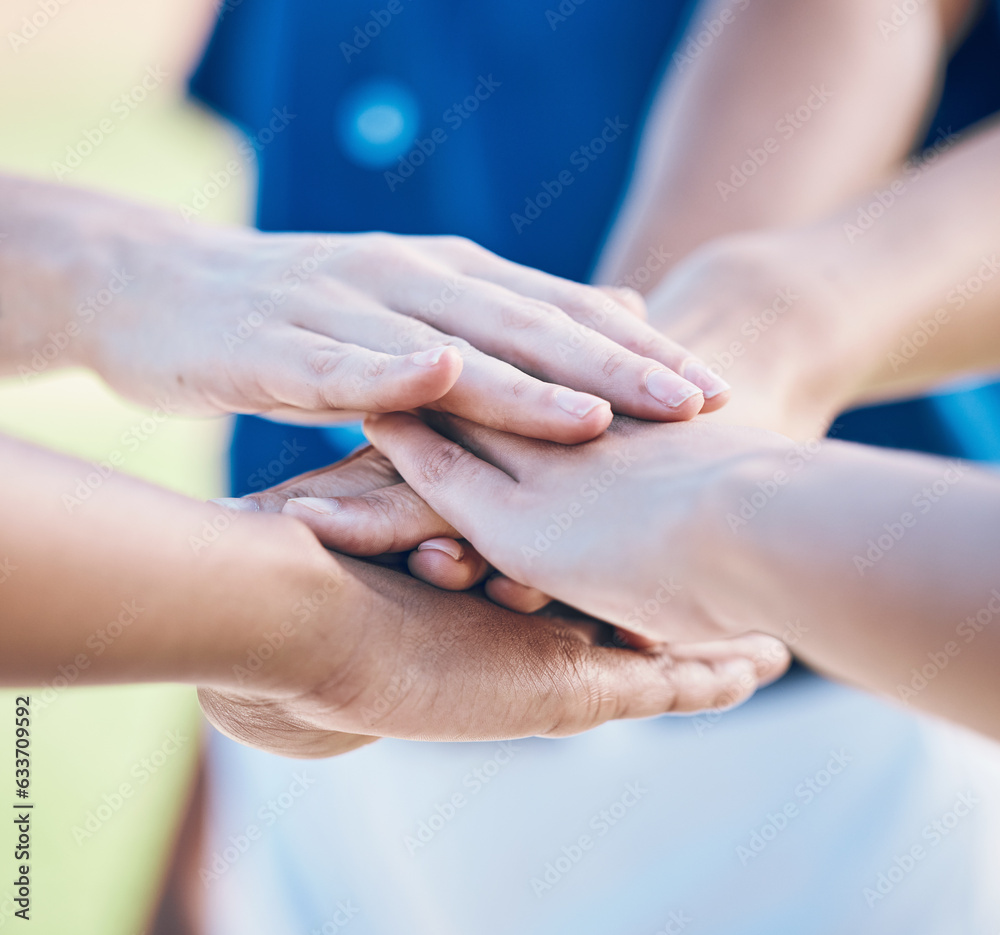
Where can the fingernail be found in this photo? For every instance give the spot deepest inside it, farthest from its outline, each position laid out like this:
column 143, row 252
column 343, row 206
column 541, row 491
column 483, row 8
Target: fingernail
column 236, row 504
column 448, row 546
column 427, row 358
column 326, row 507
column 577, row 404
column 711, row 385
column 671, row 390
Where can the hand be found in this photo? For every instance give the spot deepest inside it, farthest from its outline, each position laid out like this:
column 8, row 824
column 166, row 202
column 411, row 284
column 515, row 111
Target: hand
column 767, row 312
column 629, row 528
column 361, row 506
column 388, row 656
column 320, row 327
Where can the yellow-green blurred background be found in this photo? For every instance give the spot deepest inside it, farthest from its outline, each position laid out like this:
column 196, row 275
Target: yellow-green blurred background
column 86, row 741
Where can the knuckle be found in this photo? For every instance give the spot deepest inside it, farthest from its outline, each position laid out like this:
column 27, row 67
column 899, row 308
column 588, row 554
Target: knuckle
column 323, row 362
column 451, row 341
column 615, row 361
column 585, row 696
column 524, row 315
column 461, row 245
column 653, row 346
column 522, row 387
column 443, row 461
column 421, row 335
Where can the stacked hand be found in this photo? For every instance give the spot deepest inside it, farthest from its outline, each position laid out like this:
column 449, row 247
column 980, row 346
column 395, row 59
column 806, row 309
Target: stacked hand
column 322, row 327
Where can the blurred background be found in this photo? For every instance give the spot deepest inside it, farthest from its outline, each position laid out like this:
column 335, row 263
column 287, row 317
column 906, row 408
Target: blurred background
column 97, row 868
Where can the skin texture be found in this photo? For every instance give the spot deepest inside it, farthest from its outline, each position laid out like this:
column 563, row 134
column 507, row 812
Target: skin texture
column 808, row 321
column 864, row 97
column 292, row 646
column 322, row 327
column 723, row 540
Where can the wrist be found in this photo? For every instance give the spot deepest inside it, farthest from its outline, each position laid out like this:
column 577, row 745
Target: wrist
column 818, row 334
column 278, row 629
column 740, row 532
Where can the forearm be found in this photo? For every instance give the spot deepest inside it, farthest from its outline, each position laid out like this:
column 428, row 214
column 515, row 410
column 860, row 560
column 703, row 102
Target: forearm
column 879, row 564
column 116, row 580
column 63, row 263
column 860, row 96
column 918, row 260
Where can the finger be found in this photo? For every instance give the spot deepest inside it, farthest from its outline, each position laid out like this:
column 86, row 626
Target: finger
column 489, row 390
column 448, row 563
column 644, row 684
column 360, row 472
column 465, row 491
column 631, row 331
column 712, row 684
column 240, row 720
column 769, row 656
column 514, row 596
column 504, row 450
column 310, row 371
column 389, row 519
column 496, row 394
column 541, row 339
column 618, row 313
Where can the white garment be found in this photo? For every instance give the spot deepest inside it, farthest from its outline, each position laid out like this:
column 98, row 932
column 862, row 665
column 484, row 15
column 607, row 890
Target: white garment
column 773, row 818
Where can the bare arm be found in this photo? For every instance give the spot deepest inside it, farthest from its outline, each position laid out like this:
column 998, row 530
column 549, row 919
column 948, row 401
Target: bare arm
column 891, row 564
column 872, row 564
column 893, row 293
column 316, row 326
column 786, row 111
column 296, row 650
